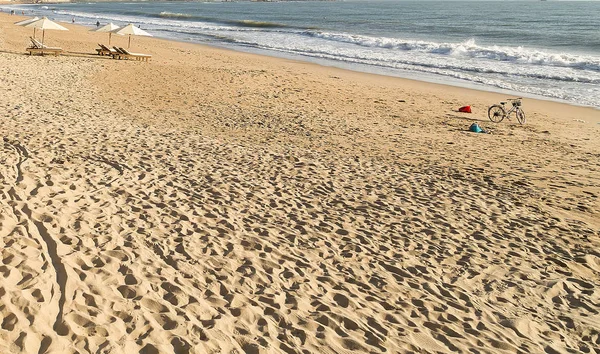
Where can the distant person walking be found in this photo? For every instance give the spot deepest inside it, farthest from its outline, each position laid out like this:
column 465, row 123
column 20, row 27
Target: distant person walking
column 73, row 20
column 97, row 23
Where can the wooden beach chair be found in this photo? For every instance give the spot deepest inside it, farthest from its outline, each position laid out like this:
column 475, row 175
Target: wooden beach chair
column 38, row 47
column 104, row 50
column 136, row 56
column 119, row 54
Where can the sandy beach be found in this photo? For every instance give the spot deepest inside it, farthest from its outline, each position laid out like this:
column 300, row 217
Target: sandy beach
column 212, row 201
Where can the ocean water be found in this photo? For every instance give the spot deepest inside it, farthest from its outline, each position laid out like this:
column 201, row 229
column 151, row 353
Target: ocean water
column 547, row 49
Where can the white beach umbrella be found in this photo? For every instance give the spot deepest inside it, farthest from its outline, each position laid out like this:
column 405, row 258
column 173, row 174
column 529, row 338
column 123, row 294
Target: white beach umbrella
column 110, row 28
column 26, row 22
column 45, row 24
column 131, row 30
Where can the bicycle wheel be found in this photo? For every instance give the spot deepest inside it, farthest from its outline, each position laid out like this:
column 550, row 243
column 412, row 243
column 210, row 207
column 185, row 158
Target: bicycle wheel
column 520, row 116
column 496, row 113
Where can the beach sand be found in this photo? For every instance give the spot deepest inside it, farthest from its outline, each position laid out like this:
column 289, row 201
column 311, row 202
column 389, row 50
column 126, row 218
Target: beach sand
column 211, row 201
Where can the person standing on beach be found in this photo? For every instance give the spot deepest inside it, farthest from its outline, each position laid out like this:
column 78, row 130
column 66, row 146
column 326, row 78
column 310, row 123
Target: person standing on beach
column 97, row 23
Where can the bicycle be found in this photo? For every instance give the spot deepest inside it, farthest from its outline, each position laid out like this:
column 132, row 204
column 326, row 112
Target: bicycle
column 497, row 112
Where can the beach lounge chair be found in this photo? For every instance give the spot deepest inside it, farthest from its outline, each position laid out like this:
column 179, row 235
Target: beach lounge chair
column 104, row 50
column 38, row 47
column 119, row 54
column 124, row 53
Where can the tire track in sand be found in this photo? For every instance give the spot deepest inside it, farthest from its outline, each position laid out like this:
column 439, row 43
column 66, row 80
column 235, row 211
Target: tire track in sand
column 50, row 243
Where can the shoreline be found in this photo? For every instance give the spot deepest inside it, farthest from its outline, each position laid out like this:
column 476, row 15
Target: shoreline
column 412, row 77
column 407, row 75
column 363, row 68
column 215, row 201
column 467, row 88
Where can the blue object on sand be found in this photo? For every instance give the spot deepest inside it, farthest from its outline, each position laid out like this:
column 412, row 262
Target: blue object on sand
column 475, row 128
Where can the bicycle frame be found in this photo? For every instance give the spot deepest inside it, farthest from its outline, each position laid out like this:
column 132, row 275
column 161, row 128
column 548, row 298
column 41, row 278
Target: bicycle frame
column 512, row 109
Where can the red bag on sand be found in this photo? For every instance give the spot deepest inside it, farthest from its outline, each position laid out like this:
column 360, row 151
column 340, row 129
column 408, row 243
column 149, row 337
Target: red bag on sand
column 465, row 109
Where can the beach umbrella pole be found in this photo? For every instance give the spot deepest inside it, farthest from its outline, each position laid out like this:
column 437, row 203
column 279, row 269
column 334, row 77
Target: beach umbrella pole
column 129, row 44
column 109, row 35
